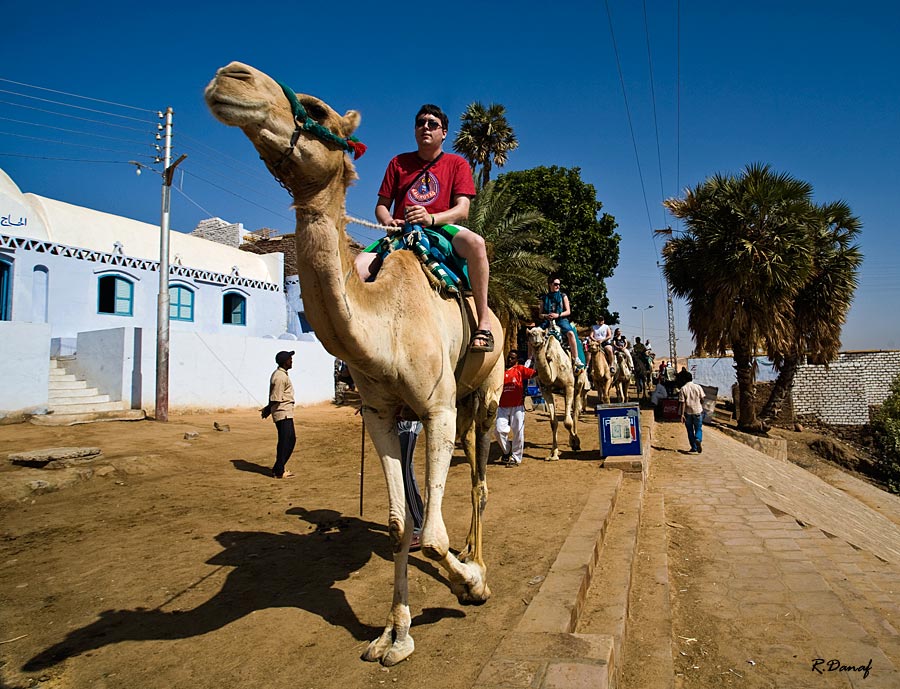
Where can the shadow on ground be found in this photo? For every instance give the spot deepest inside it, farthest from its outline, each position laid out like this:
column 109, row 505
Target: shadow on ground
column 267, row 573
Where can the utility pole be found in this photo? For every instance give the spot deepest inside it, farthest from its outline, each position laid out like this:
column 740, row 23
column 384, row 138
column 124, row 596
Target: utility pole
column 670, row 305
column 162, row 313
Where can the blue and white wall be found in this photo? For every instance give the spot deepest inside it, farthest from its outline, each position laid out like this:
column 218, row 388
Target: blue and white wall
column 81, row 271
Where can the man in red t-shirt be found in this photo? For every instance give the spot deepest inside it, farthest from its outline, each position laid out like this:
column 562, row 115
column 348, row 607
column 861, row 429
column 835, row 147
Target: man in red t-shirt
column 510, row 427
column 433, row 189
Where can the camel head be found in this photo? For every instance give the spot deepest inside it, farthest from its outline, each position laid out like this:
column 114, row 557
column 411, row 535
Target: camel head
column 307, row 152
column 593, row 346
column 537, row 337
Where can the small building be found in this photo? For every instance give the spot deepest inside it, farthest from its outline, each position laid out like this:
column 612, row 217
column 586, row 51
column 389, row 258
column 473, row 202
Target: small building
column 83, row 284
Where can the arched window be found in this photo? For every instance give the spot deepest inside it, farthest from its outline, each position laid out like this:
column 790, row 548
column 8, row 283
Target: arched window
column 181, row 303
column 234, row 309
column 115, row 295
column 5, row 289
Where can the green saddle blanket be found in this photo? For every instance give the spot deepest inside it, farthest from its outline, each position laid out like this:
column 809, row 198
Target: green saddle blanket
column 433, row 246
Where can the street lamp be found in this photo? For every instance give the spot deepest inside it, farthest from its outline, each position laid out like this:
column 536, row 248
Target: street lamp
column 642, row 309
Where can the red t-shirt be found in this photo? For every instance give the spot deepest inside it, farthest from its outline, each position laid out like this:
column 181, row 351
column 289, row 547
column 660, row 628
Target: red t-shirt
column 514, row 380
column 449, row 177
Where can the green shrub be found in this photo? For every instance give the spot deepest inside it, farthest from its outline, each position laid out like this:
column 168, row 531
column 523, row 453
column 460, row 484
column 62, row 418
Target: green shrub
column 886, row 428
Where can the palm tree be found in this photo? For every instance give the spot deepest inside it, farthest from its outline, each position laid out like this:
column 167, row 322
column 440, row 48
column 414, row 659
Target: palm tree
column 740, row 265
column 821, row 305
column 485, row 138
column 518, row 270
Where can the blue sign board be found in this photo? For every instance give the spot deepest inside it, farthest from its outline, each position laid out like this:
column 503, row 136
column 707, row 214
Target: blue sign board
column 620, row 429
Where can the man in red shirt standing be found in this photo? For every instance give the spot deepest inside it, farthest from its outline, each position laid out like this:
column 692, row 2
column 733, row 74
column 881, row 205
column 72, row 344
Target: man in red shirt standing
column 510, row 428
column 433, row 189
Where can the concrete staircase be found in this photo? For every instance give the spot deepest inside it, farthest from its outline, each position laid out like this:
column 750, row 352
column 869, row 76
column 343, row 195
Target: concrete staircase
column 71, row 401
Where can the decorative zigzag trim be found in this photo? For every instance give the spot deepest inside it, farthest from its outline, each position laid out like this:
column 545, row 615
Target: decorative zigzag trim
column 41, row 247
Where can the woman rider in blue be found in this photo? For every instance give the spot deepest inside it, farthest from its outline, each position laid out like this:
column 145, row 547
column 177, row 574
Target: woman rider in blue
column 555, row 305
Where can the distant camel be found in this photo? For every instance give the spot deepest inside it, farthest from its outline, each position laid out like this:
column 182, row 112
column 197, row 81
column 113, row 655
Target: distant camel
column 554, row 368
column 600, row 372
column 621, row 376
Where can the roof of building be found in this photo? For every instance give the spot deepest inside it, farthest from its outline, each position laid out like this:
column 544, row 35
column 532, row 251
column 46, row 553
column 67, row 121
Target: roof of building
column 65, row 223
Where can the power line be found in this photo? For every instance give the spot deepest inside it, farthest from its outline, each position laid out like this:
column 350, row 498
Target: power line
column 254, row 170
column 628, row 115
column 71, row 160
column 243, row 198
column 68, row 143
column 662, row 191
column 76, row 117
column 75, row 95
column 76, row 131
column 69, row 105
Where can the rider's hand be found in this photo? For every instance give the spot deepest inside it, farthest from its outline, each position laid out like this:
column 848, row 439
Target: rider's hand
column 417, row 215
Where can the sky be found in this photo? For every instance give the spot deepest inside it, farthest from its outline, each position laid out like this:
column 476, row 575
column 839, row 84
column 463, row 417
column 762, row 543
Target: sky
column 811, row 88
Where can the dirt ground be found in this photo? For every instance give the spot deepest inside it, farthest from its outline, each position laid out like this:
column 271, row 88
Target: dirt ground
column 186, row 565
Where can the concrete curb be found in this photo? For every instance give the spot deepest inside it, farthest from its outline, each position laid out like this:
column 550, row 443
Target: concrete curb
column 544, row 651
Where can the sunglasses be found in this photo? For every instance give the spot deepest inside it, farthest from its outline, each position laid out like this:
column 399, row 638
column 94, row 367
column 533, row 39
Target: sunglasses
column 556, row 284
column 430, row 125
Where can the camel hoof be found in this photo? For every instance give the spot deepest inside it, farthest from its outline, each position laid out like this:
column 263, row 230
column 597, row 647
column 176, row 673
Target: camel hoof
column 377, row 649
column 399, row 652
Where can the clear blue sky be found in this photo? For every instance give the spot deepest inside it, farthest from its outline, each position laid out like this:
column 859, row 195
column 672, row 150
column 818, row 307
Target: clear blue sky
column 810, row 87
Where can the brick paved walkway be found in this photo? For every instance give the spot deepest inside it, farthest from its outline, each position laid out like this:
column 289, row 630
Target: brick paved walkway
column 771, row 568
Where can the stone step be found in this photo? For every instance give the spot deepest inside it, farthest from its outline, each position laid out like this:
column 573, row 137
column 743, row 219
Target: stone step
column 544, row 651
column 56, row 401
column 606, row 602
column 87, row 408
column 79, row 391
column 91, row 417
column 647, row 656
column 68, row 385
column 60, row 375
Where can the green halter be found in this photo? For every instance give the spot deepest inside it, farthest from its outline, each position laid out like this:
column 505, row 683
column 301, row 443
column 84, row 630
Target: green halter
column 306, row 123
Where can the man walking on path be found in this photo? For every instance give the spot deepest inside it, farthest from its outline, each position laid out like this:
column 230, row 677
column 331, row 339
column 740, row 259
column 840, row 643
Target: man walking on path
column 281, row 409
column 690, row 401
column 510, row 425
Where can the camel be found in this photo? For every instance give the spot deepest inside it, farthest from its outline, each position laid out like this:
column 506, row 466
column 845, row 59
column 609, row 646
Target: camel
column 600, row 372
column 554, row 368
column 405, row 344
column 621, row 376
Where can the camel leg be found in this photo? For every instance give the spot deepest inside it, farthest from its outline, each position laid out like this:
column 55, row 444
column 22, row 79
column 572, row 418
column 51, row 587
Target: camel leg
column 571, row 420
column 477, row 445
column 547, row 394
column 395, row 643
column 467, row 579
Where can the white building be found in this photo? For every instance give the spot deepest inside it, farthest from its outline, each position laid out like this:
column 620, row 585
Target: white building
column 75, row 281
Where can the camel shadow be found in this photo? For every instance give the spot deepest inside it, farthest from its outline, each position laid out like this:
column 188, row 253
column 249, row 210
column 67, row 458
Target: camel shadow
column 251, row 467
column 269, row 570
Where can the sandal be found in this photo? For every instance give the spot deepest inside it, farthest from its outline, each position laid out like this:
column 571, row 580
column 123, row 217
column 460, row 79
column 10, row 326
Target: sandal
column 286, row 474
column 485, row 336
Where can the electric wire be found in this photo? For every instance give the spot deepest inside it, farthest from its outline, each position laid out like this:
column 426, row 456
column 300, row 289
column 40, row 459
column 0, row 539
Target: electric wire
column 69, row 143
column 628, row 115
column 254, row 170
column 243, row 198
column 206, row 169
column 71, row 160
column 185, row 195
column 77, row 131
column 662, row 191
column 143, row 130
column 75, row 95
column 70, row 105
